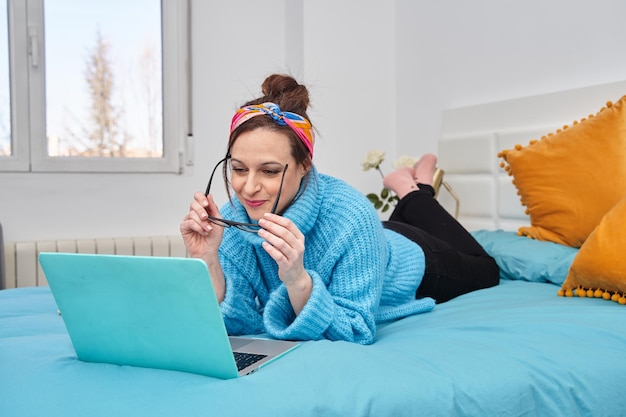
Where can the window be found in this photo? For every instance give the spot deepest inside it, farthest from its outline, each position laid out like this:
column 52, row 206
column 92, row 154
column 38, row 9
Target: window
column 98, row 86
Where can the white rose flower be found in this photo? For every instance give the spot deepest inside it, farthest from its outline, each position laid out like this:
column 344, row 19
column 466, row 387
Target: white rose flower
column 405, row 162
column 373, row 160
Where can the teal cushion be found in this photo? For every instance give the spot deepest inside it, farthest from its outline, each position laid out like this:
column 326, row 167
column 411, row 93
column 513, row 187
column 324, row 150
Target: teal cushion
column 523, row 258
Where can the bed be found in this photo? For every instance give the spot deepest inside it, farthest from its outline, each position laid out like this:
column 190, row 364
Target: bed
column 517, row 349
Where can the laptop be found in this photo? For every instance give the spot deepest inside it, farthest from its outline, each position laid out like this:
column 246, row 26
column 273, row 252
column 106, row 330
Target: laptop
column 153, row 312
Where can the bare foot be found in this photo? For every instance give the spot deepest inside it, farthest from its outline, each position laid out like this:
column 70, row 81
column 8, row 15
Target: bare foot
column 424, row 169
column 400, row 181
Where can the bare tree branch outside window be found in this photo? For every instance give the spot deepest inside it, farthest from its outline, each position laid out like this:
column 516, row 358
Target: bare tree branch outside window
column 106, row 134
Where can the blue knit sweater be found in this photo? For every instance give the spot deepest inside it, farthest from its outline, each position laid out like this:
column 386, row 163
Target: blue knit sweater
column 362, row 274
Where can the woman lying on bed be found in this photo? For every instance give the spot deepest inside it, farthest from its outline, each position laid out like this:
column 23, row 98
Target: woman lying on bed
column 301, row 255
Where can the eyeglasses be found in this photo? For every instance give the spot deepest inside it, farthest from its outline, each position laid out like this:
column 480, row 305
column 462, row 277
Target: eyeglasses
column 246, row 227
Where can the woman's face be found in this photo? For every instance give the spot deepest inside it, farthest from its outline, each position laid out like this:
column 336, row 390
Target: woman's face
column 258, row 158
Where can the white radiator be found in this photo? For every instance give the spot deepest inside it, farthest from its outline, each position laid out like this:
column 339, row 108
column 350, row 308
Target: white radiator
column 22, row 268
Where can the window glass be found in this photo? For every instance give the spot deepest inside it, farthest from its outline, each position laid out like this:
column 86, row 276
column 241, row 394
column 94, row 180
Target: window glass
column 5, row 98
column 103, row 78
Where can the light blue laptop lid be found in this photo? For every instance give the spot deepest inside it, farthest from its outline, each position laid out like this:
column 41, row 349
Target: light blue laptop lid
column 141, row 311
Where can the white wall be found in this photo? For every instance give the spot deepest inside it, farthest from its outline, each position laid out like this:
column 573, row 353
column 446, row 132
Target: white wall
column 379, row 73
column 350, row 64
column 454, row 53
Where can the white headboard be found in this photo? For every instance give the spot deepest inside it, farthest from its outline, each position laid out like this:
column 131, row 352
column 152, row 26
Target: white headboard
column 473, row 136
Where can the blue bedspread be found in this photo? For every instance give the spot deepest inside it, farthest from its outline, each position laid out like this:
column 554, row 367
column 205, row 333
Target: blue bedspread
column 512, row 350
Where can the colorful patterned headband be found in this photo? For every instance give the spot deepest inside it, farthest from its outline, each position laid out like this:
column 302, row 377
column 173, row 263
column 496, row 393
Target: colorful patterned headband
column 297, row 123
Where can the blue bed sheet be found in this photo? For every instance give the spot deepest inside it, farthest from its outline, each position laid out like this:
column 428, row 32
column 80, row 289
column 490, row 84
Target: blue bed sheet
column 513, row 350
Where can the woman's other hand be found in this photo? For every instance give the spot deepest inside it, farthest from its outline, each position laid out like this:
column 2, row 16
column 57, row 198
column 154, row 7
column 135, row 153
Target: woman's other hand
column 285, row 244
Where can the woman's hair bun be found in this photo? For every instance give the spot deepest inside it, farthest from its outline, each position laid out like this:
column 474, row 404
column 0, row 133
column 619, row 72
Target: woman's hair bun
column 285, row 91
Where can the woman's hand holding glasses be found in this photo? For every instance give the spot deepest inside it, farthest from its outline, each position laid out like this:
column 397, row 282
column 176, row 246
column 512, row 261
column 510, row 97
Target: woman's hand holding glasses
column 202, row 237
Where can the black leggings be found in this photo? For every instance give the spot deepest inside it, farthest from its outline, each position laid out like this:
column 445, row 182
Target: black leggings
column 455, row 262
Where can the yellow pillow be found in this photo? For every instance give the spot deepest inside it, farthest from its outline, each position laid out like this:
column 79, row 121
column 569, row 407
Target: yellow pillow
column 568, row 180
column 599, row 268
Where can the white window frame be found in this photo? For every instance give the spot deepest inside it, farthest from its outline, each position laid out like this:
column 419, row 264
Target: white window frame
column 28, row 108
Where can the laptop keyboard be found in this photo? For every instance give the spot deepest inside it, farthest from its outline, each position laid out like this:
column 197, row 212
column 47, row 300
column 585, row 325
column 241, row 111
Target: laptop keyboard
column 244, row 360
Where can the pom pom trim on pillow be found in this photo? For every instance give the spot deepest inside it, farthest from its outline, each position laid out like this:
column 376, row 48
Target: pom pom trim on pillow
column 591, row 293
